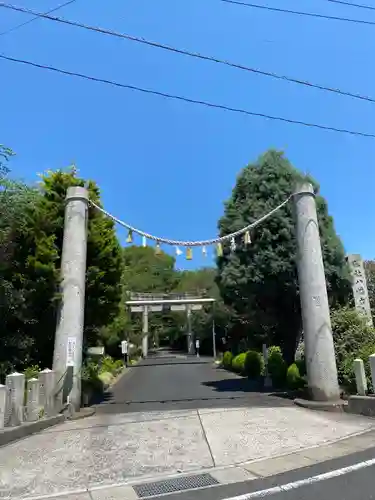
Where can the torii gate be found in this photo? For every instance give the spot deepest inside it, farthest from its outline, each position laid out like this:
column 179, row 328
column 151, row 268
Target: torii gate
column 148, row 302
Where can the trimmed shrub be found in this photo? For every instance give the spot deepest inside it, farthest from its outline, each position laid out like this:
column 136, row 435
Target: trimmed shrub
column 293, row 378
column 277, row 367
column 238, row 363
column 301, row 364
column 227, row 360
column 254, row 364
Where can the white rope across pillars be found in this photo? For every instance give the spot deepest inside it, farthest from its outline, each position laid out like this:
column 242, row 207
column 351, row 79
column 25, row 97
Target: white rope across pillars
column 244, row 233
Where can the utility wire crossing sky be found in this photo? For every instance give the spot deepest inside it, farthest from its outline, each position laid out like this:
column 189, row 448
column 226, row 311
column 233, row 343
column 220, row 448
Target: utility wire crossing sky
column 198, row 55
column 184, row 52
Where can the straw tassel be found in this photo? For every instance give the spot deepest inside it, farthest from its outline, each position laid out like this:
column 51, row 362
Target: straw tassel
column 129, row 239
column 189, row 254
column 158, row 249
column 247, row 238
column 219, row 249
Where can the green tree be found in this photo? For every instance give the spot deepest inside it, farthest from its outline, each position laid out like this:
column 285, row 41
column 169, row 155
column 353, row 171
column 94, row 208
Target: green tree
column 260, row 281
column 37, row 247
column 150, row 272
column 104, row 257
column 202, row 282
column 17, row 202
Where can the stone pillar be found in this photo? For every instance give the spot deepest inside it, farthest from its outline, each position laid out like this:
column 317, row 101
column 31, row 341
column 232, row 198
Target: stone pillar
column 15, row 384
column 3, row 400
column 145, row 332
column 49, row 400
column 32, row 400
column 319, row 349
column 189, row 335
column 359, row 286
column 360, row 377
column 69, row 332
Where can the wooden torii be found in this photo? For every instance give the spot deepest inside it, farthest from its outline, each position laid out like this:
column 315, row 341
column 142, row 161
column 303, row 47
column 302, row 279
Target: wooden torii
column 149, row 302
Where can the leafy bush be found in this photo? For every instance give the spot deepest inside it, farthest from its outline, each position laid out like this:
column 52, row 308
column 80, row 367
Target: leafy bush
column 90, row 379
column 238, row 363
column 106, row 378
column 31, row 372
column 254, row 364
column 301, row 364
column 276, row 366
column 109, row 365
column 227, row 360
column 293, row 378
column 353, row 338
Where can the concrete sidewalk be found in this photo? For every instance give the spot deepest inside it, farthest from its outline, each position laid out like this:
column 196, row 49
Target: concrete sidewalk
column 114, row 449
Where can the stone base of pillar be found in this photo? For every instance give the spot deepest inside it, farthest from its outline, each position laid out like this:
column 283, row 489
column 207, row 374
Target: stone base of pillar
column 331, row 406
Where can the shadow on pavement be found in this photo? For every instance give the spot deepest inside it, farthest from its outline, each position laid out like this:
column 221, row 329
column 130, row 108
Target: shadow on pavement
column 170, row 361
column 237, row 385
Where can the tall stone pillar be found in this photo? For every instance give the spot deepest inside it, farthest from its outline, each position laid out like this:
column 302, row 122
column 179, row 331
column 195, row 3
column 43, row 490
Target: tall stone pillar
column 69, row 332
column 145, row 332
column 319, row 349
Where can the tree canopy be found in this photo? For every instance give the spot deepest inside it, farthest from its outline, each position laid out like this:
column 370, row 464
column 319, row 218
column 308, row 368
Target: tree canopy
column 260, row 282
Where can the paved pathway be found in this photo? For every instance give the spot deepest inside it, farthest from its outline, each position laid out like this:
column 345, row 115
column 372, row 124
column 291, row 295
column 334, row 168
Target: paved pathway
column 175, row 382
column 167, row 416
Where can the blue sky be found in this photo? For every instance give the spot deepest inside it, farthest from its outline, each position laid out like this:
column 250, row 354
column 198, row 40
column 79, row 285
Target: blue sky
column 165, row 166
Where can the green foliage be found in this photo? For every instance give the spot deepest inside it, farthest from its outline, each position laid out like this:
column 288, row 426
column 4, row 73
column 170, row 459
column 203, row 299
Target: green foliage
column 227, row 360
column 293, row 378
column 254, row 364
column 370, row 277
column 31, row 372
column 31, row 235
column 277, row 366
column 108, row 364
column 301, row 364
column 259, row 283
column 353, row 338
column 238, row 363
column 90, row 379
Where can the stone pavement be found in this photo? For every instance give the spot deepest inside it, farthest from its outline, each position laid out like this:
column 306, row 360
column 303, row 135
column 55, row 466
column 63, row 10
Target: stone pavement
column 113, row 449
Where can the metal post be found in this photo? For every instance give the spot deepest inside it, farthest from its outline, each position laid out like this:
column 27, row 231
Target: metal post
column 319, row 349
column 69, row 332
column 145, row 332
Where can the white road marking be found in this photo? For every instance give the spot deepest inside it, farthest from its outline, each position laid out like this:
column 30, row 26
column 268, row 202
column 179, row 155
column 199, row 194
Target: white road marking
column 305, row 482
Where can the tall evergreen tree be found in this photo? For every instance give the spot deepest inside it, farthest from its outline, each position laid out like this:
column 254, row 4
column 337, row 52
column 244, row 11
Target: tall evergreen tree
column 260, row 282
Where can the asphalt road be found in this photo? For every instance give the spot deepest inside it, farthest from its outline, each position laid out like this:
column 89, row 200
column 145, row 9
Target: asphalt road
column 356, row 485
column 169, row 381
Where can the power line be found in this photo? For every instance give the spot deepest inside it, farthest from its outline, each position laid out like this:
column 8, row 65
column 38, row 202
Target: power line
column 36, row 17
column 299, row 13
column 188, row 53
column 186, row 99
column 350, row 4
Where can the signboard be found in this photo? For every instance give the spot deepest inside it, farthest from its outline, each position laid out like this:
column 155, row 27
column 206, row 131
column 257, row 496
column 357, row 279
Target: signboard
column 71, row 351
column 359, row 284
column 124, row 347
column 95, row 351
